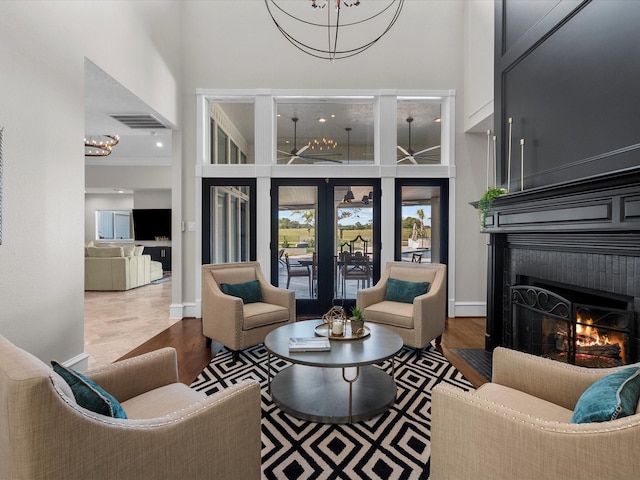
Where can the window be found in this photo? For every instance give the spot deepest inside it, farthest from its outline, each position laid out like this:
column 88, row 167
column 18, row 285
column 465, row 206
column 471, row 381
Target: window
column 422, row 220
column 231, row 126
column 234, row 153
column 113, row 225
column 228, row 222
column 419, row 132
column 336, row 132
column 222, row 146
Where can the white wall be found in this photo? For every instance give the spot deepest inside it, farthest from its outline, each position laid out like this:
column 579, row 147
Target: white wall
column 423, row 50
column 128, row 178
column 478, row 65
column 42, row 50
column 152, row 198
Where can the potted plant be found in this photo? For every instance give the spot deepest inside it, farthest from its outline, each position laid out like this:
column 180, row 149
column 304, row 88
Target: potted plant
column 484, row 204
column 357, row 321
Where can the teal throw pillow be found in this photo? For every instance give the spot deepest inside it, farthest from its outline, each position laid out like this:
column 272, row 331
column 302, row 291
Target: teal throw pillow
column 249, row 292
column 89, row 394
column 611, row 397
column 405, row 292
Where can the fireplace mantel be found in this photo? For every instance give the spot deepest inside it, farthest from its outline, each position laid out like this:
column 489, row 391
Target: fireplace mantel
column 603, row 203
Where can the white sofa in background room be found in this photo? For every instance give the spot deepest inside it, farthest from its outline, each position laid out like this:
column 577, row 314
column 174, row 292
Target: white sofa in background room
column 118, row 268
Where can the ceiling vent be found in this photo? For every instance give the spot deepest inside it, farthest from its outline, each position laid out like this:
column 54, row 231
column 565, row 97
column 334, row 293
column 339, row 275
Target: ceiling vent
column 142, row 121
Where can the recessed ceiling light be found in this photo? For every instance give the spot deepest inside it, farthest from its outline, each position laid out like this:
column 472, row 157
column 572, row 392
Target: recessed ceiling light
column 322, row 119
column 437, row 120
column 333, row 115
column 158, row 144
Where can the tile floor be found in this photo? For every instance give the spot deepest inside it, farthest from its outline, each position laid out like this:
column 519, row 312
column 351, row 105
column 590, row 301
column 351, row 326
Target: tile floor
column 117, row 322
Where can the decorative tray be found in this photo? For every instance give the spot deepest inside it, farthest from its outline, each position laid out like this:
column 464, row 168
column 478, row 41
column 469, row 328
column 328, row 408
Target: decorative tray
column 323, row 330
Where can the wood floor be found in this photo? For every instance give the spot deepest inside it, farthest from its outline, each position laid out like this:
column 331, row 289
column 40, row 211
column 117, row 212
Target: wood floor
column 193, row 355
column 121, row 325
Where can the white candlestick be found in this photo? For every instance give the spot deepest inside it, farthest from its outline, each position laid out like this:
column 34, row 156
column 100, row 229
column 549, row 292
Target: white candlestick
column 495, row 163
column 509, row 165
column 488, row 157
column 521, row 164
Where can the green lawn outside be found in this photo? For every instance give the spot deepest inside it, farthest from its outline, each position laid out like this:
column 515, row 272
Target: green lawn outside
column 297, row 235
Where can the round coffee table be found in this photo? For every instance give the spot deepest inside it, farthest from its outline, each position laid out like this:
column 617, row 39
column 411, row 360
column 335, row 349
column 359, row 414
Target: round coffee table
column 338, row 386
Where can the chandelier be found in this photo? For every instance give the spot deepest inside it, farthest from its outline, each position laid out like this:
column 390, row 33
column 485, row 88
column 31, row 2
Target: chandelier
column 323, row 144
column 99, row 145
column 333, row 29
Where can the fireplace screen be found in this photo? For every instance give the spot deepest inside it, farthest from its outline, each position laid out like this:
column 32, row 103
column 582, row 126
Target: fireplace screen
column 551, row 325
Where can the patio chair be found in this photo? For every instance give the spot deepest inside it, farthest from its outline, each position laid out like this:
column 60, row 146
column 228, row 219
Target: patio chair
column 295, row 269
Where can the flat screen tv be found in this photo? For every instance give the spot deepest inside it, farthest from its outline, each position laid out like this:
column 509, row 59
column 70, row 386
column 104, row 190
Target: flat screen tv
column 151, row 223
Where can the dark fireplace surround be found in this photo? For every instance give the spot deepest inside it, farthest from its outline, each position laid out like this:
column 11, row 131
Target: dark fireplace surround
column 578, row 240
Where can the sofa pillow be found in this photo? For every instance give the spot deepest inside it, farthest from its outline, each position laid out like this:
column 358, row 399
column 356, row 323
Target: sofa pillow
column 89, row 394
column 137, row 250
column 105, row 252
column 128, row 250
column 611, row 397
column 405, row 292
column 249, row 292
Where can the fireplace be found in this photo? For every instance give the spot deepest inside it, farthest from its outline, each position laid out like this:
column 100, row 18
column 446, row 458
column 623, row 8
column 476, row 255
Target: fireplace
column 574, row 247
column 572, row 325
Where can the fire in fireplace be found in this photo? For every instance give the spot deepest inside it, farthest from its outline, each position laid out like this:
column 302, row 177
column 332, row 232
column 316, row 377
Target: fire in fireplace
column 561, row 325
column 589, row 343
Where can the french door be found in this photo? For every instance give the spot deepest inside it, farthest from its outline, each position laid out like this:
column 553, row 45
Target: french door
column 325, row 242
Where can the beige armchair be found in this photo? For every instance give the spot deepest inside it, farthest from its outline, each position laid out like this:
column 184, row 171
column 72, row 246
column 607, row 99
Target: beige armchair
column 171, row 431
column 518, row 426
column 418, row 322
column 236, row 325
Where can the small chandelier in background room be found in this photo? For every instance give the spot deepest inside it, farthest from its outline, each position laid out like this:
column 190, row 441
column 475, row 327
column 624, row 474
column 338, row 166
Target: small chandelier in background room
column 99, row 145
column 334, row 29
column 323, row 144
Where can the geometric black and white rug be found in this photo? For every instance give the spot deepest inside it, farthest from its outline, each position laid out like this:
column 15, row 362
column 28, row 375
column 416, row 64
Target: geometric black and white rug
column 395, row 444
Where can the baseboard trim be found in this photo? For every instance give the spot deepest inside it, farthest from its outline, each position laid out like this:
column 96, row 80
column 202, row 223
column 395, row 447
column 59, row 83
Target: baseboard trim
column 79, row 362
column 470, row 309
column 178, row 311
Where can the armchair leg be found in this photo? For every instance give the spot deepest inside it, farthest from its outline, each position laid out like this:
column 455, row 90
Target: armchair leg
column 236, row 355
column 438, row 340
column 418, row 352
column 208, row 341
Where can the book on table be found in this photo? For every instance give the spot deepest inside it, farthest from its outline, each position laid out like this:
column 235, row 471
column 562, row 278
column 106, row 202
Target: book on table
column 309, row 344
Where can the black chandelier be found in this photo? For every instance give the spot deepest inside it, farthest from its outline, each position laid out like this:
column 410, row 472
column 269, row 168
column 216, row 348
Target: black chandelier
column 334, row 29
